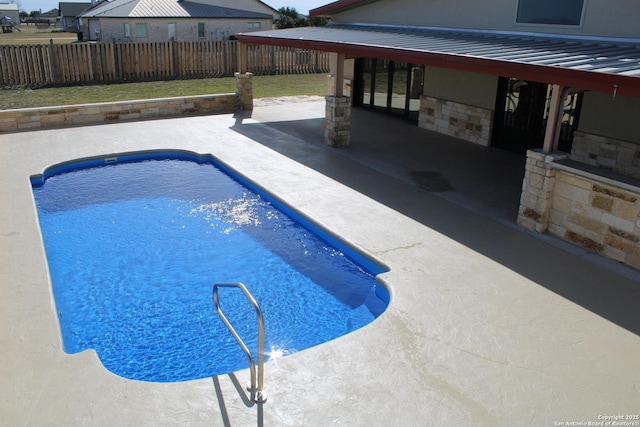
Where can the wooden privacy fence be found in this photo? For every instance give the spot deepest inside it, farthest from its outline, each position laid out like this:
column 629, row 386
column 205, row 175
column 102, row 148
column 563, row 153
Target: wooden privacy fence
column 77, row 63
column 282, row 60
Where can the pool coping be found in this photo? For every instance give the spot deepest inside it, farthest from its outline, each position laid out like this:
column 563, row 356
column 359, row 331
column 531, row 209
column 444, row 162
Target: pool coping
column 465, row 340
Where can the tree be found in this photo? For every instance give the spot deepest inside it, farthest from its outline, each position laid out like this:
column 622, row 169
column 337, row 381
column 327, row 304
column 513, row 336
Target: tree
column 290, row 18
column 318, row 21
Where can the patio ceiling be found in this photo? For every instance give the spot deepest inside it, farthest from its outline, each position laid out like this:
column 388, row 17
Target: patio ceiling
column 599, row 64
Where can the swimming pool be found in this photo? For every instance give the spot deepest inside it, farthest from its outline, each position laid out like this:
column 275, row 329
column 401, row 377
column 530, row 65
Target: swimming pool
column 136, row 242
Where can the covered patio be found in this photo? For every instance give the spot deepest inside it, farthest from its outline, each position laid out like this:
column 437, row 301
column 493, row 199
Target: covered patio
column 570, row 64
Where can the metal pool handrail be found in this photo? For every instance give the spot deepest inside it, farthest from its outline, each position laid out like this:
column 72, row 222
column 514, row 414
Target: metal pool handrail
column 255, row 386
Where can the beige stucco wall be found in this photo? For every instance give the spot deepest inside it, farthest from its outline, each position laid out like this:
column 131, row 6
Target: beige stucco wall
column 618, row 117
column 186, row 29
column 349, row 68
column 602, row 18
column 463, row 87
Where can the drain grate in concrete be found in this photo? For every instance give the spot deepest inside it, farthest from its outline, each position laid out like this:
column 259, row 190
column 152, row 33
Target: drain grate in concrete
column 430, row 181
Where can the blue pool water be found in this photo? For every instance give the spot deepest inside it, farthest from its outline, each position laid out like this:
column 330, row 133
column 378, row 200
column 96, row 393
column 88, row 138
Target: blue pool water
column 135, row 247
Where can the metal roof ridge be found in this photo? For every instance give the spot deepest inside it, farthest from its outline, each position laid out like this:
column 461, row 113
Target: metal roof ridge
column 564, row 37
column 108, row 7
column 218, row 7
column 138, row 5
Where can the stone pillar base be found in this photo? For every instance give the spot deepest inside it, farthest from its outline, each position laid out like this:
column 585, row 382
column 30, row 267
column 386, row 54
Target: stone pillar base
column 537, row 190
column 338, row 121
column 244, row 90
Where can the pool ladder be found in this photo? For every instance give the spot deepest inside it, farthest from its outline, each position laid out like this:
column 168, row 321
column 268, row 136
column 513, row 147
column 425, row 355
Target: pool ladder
column 256, row 370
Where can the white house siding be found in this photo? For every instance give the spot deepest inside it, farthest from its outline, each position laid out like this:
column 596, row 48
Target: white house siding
column 11, row 11
column 615, row 18
column 112, row 30
column 93, row 28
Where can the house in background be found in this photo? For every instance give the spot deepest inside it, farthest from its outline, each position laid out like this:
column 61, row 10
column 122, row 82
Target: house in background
column 559, row 82
column 10, row 12
column 162, row 20
column 52, row 17
column 69, row 13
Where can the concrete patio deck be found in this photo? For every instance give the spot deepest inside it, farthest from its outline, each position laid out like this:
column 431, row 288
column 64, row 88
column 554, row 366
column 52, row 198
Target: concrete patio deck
column 488, row 325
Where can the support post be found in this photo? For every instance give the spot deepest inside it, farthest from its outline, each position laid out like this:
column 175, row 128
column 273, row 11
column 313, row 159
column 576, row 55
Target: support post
column 337, row 72
column 243, row 58
column 338, row 107
column 537, row 190
column 56, row 74
column 244, row 79
column 244, row 90
column 337, row 121
column 552, row 132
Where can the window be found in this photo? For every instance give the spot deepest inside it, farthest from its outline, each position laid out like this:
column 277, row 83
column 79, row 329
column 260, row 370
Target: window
column 141, row 30
column 253, row 26
column 200, row 30
column 127, row 30
column 172, row 31
column 550, row 12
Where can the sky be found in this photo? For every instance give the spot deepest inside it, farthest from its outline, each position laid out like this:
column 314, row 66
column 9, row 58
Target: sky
column 302, row 6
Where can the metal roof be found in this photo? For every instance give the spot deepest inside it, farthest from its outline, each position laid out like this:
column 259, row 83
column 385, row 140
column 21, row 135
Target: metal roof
column 72, row 9
column 583, row 63
column 169, row 9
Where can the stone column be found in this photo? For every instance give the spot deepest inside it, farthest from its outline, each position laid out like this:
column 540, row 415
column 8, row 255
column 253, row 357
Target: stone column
column 244, row 90
column 537, row 190
column 338, row 121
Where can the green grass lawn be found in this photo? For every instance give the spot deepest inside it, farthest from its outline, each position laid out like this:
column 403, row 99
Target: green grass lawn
column 263, row 86
column 31, row 35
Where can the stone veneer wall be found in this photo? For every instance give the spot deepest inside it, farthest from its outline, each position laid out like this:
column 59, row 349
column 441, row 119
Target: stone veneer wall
column 337, row 130
column 71, row 115
column 608, row 153
column 593, row 211
column 537, row 191
column 462, row 121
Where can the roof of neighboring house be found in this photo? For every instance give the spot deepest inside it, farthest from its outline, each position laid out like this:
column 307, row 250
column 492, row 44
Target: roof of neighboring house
column 600, row 64
column 338, row 6
column 72, row 9
column 272, row 8
column 11, row 6
column 53, row 13
column 169, row 9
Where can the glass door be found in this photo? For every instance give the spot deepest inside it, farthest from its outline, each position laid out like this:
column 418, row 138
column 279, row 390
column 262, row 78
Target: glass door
column 521, row 114
column 389, row 86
